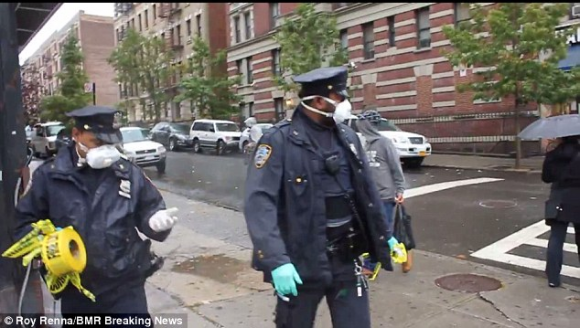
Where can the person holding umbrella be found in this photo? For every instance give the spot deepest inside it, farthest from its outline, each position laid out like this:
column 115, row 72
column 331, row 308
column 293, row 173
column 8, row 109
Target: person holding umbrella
column 561, row 168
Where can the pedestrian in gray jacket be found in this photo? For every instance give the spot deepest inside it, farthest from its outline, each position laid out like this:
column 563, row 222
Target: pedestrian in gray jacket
column 385, row 165
column 384, row 161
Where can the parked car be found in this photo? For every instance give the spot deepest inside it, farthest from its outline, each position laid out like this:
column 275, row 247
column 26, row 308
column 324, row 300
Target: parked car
column 174, row 136
column 214, row 134
column 245, row 138
column 412, row 147
column 141, row 150
column 43, row 141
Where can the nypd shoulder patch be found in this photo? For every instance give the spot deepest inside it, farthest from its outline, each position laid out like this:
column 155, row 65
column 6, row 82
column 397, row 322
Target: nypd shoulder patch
column 262, row 155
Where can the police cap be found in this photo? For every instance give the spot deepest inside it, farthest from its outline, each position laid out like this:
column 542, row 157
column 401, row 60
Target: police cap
column 323, row 81
column 99, row 120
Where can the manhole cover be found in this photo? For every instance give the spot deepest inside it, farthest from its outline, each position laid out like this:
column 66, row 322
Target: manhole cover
column 468, row 283
column 497, row 203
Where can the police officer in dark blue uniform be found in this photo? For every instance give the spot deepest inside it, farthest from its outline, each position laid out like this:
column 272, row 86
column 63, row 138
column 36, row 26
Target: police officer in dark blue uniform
column 89, row 185
column 312, row 209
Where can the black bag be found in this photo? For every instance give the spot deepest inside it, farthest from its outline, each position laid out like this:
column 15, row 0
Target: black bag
column 403, row 231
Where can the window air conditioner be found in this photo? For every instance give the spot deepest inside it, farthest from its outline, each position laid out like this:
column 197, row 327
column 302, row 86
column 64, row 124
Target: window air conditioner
column 576, row 11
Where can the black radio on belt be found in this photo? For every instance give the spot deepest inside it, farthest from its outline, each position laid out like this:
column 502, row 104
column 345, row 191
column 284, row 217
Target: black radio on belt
column 332, row 164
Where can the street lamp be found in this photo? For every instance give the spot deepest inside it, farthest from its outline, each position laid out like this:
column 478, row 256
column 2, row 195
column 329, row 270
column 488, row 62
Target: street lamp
column 289, row 103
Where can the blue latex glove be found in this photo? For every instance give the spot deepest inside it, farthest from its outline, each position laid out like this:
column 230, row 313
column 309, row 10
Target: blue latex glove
column 392, row 243
column 285, row 278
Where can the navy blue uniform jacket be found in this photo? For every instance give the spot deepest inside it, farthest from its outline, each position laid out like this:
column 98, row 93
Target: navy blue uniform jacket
column 284, row 207
column 105, row 220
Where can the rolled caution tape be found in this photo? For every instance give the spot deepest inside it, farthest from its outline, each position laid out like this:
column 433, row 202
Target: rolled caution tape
column 63, row 252
column 399, row 253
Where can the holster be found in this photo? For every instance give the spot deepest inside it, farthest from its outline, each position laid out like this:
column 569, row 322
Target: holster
column 156, row 264
column 347, row 247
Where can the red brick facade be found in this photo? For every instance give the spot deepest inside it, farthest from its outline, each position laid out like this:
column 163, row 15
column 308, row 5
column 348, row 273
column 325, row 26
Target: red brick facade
column 412, row 85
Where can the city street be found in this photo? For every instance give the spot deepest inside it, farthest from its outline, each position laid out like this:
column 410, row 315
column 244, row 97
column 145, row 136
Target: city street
column 449, row 219
column 207, row 277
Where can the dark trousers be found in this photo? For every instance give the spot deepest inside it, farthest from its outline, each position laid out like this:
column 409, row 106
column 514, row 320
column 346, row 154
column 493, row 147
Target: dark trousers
column 128, row 302
column 555, row 254
column 347, row 309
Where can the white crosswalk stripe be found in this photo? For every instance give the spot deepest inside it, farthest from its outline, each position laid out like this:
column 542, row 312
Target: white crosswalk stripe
column 499, row 251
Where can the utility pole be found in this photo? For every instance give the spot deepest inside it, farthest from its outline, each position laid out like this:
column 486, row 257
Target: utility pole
column 12, row 162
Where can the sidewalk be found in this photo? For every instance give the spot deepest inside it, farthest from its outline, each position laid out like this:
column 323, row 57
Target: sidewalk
column 211, row 281
column 531, row 165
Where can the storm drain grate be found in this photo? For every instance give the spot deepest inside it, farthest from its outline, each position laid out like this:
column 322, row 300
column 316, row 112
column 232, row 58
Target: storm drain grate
column 468, row 283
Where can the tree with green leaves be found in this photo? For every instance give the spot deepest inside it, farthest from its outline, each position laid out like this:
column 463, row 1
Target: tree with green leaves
column 144, row 63
column 517, row 35
column 208, row 87
column 307, row 41
column 70, row 94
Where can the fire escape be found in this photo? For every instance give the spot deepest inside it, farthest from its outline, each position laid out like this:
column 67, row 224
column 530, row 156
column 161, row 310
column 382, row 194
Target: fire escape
column 122, row 8
column 173, row 39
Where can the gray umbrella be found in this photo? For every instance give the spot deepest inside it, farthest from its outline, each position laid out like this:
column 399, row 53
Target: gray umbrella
column 553, row 127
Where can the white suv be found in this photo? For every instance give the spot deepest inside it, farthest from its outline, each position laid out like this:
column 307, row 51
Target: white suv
column 215, row 134
column 412, row 147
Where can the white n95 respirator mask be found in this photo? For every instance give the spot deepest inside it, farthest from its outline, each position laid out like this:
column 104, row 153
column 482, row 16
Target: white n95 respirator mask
column 100, row 157
column 342, row 110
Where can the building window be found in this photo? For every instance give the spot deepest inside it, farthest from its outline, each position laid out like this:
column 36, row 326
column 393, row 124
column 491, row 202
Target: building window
column 133, row 23
column 344, row 39
column 118, row 33
column 274, row 14
column 423, row 28
column 154, row 12
column 140, row 23
column 239, row 67
column 279, row 108
column 249, row 72
column 146, row 16
column 369, row 40
column 391, row 25
column 250, row 109
column 237, row 29
column 461, row 13
column 276, row 69
column 198, row 24
column 188, row 25
column 248, row 25
column 178, row 32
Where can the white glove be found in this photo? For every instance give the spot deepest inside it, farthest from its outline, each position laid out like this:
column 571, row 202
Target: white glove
column 163, row 220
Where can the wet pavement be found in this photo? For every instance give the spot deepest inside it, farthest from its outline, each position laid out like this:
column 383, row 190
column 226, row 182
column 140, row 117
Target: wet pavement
column 454, row 222
column 439, row 291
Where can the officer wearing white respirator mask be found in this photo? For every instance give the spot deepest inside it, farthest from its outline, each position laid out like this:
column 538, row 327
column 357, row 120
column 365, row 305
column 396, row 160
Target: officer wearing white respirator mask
column 91, row 186
column 312, row 209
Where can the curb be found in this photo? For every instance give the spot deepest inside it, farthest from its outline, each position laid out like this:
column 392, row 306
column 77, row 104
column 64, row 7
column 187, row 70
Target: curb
column 529, row 171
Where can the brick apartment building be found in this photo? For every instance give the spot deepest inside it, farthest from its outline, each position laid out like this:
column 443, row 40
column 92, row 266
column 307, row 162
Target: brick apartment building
column 400, row 71
column 178, row 24
column 96, row 41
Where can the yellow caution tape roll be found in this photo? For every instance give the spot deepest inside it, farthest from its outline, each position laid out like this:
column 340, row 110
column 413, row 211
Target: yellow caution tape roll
column 399, row 253
column 63, row 252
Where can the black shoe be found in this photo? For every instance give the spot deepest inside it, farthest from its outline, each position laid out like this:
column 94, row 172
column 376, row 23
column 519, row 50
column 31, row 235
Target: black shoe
column 554, row 284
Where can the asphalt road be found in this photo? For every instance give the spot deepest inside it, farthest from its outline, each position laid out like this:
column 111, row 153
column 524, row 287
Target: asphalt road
column 454, row 222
